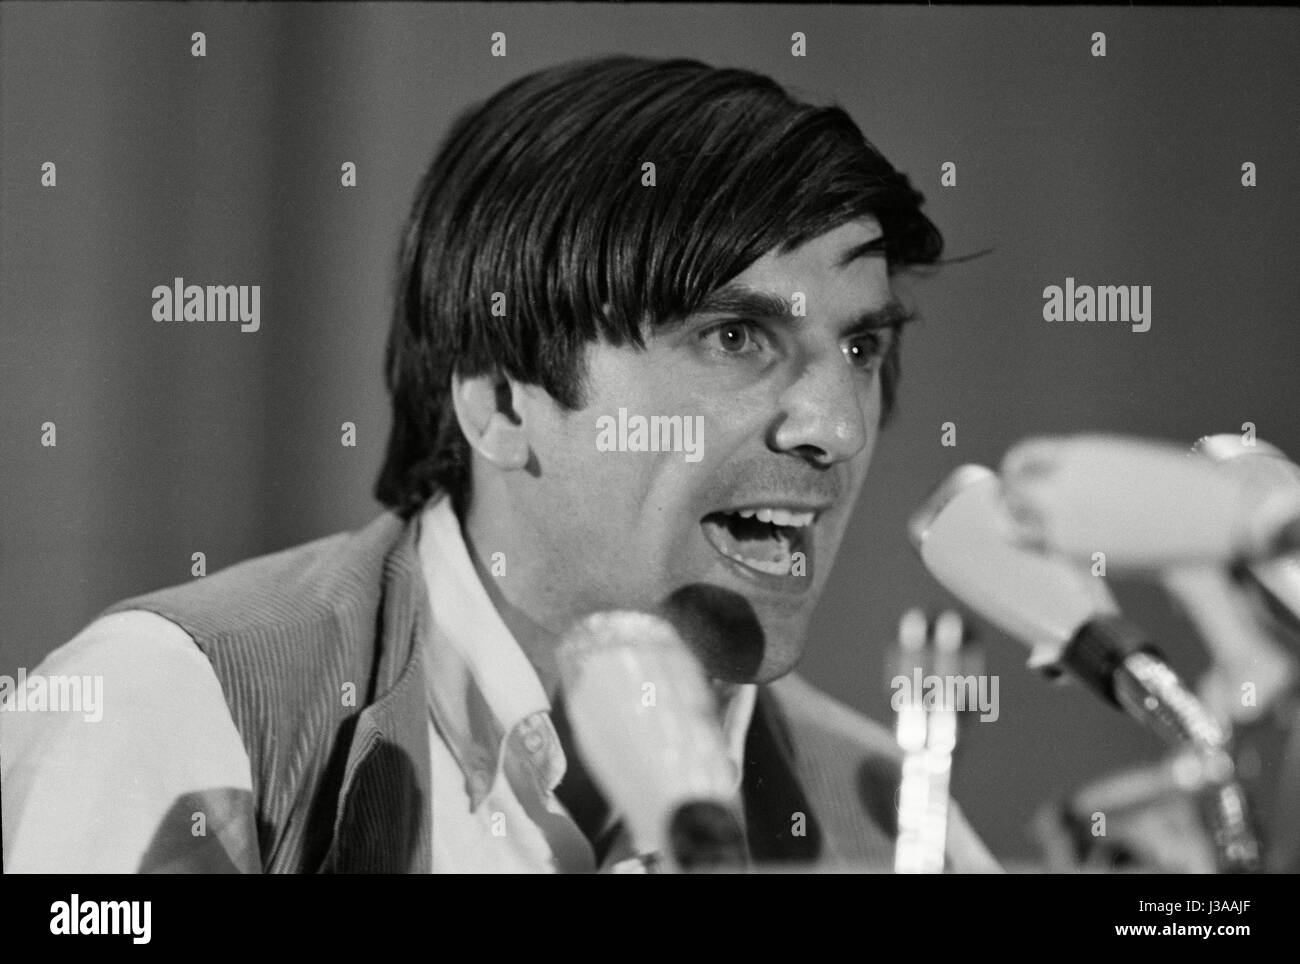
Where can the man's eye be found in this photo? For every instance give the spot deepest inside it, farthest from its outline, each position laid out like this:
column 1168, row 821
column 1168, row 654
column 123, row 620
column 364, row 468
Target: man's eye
column 732, row 338
column 865, row 350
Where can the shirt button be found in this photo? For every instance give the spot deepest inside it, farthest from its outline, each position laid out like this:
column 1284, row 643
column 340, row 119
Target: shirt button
column 534, row 741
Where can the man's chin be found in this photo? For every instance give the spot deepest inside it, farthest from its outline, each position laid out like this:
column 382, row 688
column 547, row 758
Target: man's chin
column 728, row 636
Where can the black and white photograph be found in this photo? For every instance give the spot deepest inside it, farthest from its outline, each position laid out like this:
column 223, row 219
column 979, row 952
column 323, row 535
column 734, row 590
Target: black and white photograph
column 650, row 438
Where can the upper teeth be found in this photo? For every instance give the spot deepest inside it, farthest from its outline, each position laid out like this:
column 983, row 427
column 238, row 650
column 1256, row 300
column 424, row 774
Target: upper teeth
column 778, row 517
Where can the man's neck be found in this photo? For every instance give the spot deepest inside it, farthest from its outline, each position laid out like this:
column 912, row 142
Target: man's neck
column 577, row 790
column 537, row 642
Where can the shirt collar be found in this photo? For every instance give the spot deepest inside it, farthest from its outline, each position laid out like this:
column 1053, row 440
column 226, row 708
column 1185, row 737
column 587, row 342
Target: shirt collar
column 482, row 688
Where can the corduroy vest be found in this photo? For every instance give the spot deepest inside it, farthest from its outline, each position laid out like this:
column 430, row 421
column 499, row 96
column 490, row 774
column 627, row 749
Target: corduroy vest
column 343, row 785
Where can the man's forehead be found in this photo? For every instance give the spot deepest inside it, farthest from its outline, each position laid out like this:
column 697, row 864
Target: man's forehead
column 847, row 264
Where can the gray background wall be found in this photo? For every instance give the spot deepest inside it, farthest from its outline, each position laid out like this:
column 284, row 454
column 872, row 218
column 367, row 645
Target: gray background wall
column 177, row 438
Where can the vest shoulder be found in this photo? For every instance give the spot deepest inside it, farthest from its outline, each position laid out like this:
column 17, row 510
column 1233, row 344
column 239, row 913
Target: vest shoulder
column 287, row 634
column 296, row 586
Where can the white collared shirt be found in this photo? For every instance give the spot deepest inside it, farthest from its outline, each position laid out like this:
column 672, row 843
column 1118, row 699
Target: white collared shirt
column 497, row 758
column 90, row 797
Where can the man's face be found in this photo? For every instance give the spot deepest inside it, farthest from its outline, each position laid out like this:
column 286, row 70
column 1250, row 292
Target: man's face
column 732, row 534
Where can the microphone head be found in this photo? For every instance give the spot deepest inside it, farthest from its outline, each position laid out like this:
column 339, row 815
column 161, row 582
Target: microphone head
column 1230, row 445
column 963, row 535
column 1145, row 504
column 645, row 721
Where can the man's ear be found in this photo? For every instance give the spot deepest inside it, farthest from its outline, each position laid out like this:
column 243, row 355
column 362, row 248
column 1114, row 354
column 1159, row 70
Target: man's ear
column 485, row 410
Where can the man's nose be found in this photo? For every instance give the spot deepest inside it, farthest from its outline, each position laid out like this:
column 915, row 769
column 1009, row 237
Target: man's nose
column 822, row 414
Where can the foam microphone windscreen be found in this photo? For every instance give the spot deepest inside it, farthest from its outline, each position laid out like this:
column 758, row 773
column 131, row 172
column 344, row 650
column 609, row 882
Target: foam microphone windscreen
column 1145, row 504
column 964, row 537
column 645, row 721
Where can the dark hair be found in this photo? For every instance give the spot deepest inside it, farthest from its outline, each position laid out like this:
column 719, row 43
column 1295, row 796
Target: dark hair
column 536, row 193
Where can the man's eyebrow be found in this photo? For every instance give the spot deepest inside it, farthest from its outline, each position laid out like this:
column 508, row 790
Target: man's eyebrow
column 737, row 299
column 876, row 245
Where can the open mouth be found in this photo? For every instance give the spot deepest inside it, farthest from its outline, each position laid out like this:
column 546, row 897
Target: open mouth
column 763, row 539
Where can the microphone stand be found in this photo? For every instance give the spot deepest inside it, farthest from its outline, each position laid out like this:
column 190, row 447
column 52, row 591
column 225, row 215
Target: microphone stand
column 1116, row 659
column 928, row 737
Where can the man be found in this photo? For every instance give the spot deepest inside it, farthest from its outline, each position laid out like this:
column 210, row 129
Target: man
column 601, row 242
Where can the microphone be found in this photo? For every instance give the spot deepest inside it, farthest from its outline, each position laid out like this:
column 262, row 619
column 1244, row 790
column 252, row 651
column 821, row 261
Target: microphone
column 963, row 534
column 1279, row 577
column 1144, row 504
column 1238, row 641
column 964, row 540
column 643, row 718
column 1148, row 505
column 1270, row 736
